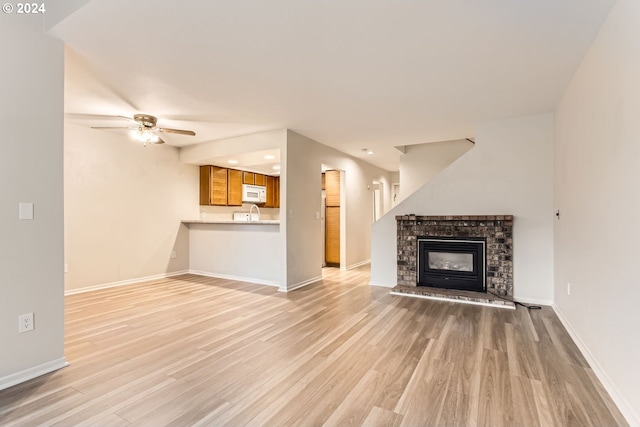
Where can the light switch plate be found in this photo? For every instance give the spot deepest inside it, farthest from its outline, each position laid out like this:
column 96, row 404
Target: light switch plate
column 25, row 210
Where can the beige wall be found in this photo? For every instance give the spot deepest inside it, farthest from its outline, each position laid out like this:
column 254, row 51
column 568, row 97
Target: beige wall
column 246, row 252
column 123, row 207
column 303, row 198
column 597, row 177
column 31, row 251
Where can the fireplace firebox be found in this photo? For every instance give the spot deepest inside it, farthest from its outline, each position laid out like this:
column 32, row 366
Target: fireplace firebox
column 452, row 263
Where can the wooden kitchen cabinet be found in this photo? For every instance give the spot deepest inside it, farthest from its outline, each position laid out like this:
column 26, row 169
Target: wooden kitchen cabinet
column 213, row 186
column 205, row 185
column 271, row 200
column 332, row 217
column 234, row 187
column 248, row 178
column 273, row 191
column 332, row 187
column 332, row 235
column 223, row 187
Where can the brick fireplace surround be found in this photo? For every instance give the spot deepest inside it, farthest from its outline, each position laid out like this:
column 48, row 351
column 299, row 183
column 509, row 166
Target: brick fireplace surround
column 497, row 229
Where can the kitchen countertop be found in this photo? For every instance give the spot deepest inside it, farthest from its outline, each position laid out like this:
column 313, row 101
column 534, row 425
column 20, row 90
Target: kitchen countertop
column 230, row 221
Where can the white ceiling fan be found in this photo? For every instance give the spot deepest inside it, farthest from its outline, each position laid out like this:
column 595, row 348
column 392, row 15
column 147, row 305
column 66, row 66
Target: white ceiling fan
column 145, row 129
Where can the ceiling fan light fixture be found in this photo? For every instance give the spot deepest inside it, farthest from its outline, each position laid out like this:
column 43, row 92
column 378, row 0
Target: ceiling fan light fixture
column 144, row 135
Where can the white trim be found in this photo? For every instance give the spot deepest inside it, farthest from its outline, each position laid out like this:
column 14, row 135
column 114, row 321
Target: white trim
column 31, row 373
column 236, row 278
column 359, row 264
column 123, row 283
column 627, row 411
column 301, row 284
column 383, row 285
column 463, row 301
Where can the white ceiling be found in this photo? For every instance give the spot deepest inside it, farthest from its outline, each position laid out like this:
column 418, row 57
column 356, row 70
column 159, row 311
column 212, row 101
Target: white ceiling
column 350, row 74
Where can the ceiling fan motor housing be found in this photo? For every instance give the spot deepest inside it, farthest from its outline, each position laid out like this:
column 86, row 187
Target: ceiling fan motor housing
column 145, row 120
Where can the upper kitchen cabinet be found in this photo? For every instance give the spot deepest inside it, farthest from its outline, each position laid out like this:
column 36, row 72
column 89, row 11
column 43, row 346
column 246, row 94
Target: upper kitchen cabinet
column 213, row 186
column 273, row 192
column 248, row 178
column 223, row 187
column 271, row 199
column 260, row 179
column 234, row 187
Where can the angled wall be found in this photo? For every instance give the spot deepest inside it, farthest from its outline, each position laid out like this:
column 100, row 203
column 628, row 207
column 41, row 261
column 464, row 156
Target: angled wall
column 422, row 162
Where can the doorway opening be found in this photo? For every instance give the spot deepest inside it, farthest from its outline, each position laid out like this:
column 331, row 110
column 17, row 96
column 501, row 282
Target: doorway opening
column 377, row 200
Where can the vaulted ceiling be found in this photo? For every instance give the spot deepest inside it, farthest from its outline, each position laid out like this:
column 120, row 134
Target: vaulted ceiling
column 351, row 74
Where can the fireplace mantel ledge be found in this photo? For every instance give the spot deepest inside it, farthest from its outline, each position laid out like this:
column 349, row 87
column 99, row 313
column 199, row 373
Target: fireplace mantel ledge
column 413, row 217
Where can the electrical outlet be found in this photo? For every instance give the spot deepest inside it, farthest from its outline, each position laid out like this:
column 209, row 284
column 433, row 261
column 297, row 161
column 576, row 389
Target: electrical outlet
column 66, row 267
column 174, row 255
column 25, row 322
column 568, row 288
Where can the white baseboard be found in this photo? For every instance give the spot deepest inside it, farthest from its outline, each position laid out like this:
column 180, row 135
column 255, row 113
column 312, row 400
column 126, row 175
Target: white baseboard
column 31, row 373
column 301, row 284
column 359, row 264
column 124, row 282
column 383, row 285
column 237, row 278
column 630, row 415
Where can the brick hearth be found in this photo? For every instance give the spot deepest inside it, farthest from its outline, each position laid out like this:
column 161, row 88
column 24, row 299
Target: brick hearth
column 497, row 229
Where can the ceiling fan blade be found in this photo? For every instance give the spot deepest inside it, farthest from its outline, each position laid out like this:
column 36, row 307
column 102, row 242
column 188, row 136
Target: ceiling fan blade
column 127, row 118
column 74, row 116
column 110, row 127
column 159, row 141
column 177, row 131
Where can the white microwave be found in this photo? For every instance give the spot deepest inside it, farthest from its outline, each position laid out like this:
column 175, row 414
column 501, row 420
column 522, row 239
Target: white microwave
column 254, row 193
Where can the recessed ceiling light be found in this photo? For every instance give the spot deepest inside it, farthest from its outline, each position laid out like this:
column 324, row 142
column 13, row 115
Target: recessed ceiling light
column 232, row 162
column 367, row 151
column 276, row 167
column 269, row 157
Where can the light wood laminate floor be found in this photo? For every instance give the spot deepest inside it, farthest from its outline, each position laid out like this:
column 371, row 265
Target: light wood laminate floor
column 197, row 351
